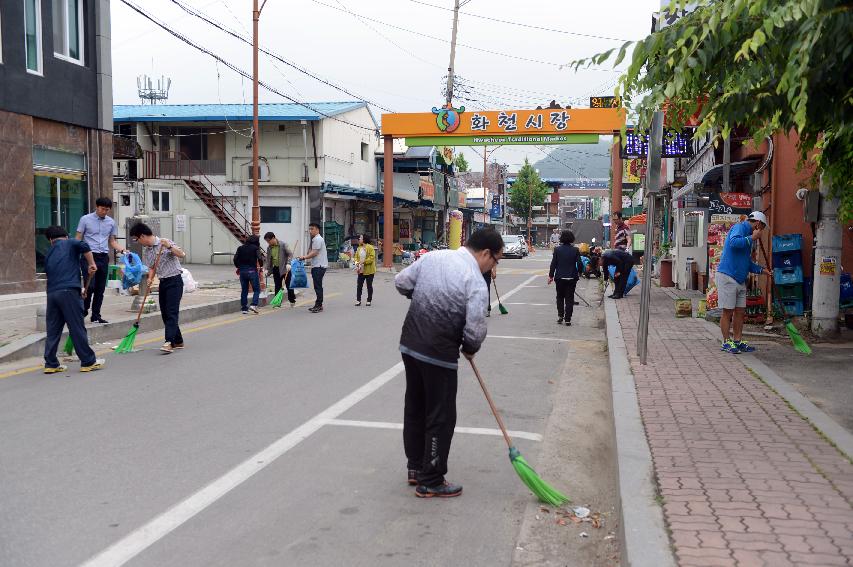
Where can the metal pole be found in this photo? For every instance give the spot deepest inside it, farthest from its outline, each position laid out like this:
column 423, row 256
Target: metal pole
column 256, row 208
column 827, row 260
column 652, row 189
column 388, row 202
column 452, row 53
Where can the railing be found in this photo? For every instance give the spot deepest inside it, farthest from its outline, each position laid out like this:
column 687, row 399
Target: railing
column 185, row 167
column 193, row 171
column 150, row 165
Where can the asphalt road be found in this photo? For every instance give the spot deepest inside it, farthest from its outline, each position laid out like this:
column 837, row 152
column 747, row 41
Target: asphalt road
column 275, row 440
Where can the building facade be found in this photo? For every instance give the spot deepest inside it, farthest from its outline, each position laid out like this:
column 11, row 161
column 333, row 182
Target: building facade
column 55, row 126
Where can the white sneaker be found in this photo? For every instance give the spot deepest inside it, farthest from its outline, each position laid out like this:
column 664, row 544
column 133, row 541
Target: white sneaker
column 254, row 309
column 167, row 347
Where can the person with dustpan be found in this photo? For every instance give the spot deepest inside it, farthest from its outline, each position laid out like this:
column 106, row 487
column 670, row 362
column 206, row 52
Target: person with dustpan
column 447, row 314
column 166, row 255
column 65, row 295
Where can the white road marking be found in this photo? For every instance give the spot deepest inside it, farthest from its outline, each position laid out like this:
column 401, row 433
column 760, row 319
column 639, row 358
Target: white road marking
column 137, row 541
column 472, row 430
column 526, row 338
column 514, row 290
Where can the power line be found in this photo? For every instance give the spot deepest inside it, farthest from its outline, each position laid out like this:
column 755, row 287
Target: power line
column 232, row 33
column 474, row 47
column 238, row 70
column 519, row 24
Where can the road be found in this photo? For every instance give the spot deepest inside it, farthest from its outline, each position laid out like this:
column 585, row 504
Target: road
column 276, row 440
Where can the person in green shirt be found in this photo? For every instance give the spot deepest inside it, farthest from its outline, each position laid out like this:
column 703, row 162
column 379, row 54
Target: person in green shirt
column 277, row 262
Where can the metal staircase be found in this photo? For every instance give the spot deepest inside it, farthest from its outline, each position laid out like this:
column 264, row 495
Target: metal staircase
column 224, row 208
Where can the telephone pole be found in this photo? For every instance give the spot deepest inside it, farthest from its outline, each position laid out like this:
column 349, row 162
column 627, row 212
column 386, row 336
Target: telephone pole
column 256, row 208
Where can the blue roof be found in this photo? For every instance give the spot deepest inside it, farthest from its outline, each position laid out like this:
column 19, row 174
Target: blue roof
column 277, row 112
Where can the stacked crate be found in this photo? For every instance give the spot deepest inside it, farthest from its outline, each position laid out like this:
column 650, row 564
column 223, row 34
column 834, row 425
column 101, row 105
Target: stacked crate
column 788, row 272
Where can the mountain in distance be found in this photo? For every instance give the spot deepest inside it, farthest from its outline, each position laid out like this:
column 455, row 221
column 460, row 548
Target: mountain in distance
column 572, row 161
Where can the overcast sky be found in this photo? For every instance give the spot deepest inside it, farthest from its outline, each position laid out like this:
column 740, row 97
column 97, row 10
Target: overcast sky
column 397, row 69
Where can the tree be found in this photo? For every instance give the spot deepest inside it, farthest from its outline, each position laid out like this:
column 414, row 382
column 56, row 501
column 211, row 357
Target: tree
column 461, row 163
column 528, row 188
column 763, row 65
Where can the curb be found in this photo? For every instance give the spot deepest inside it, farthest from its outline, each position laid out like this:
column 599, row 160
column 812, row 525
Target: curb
column 33, row 345
column 642, row 531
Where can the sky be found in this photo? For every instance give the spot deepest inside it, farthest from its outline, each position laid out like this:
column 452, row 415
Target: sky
column 380, row 51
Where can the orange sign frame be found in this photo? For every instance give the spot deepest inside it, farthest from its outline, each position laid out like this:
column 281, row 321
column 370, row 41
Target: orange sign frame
column 497, row 122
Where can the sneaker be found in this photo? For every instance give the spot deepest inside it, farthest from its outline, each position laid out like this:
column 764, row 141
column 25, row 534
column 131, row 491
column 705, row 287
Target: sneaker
column 63, row 368
column 178, row 346
column 358, row 303
column 443, row 490
column 292, row 304
column 99, row 320
column 367, row 304
column 568, row 323
column 167, row 347
column 413, row 477
column 254, row 309
column 730, row 346
column 97, row 365
column 744, row 346
column 316, row 309
column 559, row 320
column 244, row 311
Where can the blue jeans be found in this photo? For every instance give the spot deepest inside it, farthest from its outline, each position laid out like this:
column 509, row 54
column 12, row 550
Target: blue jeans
column 171, row 291
column 249, row 275
column 65, row 307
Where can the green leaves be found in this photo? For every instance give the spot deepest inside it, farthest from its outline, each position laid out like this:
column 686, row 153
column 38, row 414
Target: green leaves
column 528, row 189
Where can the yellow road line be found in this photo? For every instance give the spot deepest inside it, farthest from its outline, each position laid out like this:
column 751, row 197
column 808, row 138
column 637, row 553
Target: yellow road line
column 190, row 330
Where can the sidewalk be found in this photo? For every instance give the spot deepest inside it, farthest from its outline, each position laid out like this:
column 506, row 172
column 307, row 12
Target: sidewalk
column 743, row 478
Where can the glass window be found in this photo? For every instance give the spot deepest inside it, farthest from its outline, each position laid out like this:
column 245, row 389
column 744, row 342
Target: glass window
column 32, row 34
column 68, row 29
column 365, row 152
column 161, row 201
column 275, row 214
column 691, row 231
column 59, row 200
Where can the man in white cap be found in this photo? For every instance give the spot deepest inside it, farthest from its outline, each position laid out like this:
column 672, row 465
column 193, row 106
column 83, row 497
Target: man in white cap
column 735, row 264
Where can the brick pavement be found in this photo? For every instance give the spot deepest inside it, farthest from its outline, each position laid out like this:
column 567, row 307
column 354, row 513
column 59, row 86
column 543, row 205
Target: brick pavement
column 745, row 480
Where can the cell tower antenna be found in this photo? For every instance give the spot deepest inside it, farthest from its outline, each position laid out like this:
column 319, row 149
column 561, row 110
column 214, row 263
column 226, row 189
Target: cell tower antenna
column 149, row 92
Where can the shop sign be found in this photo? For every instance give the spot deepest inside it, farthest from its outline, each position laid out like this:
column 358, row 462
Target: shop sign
column 633, row 170
column 521, row 140
column 451, row 122
column 604, row 102
column 427, row 189
column 482, row 218
column 496, row 211
column 737, row 200
column 675, row 143
column 445, row 154
column 730, row 203
column 828, row 266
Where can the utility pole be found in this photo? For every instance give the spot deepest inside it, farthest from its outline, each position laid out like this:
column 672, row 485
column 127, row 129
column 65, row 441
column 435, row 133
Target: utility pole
column 256, row 208
column 827, row 259
column 449, row 94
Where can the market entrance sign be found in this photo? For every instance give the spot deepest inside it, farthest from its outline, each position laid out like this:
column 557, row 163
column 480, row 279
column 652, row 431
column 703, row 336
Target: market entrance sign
column 515, row 140
column 462, row 122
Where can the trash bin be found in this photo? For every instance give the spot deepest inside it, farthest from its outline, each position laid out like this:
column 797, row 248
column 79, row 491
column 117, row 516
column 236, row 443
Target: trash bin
column 666, row 273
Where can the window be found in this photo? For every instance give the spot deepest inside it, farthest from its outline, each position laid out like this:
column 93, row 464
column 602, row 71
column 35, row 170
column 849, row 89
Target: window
column 691, row 231
column 160, row 201
column 275, row 214
column 365, row 152
column 32, row 35
column 68, row 29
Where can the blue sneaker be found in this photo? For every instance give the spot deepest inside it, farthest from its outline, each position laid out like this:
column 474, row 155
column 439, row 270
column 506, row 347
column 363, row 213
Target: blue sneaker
column 744, row 346
column 730, row 346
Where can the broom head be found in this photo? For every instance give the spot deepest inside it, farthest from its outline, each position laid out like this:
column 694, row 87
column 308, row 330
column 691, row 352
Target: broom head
column 543, row 491
column 276, row 301
column 126, row 344
column 800, row 345
column 69, row 346
column 502, row 309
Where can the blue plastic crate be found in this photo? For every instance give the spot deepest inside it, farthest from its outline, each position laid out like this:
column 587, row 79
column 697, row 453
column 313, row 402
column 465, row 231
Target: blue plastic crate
column 846, row 288
column 787, row 259
column 790, row 291
column 792, row 307
column 787, row 242
column 784, row 276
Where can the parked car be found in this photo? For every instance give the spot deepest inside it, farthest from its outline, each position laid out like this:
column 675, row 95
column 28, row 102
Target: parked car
column 514, row 246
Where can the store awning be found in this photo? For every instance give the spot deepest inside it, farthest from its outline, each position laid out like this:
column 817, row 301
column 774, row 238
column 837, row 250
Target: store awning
column 366, row 194
column 637, row 219
column 714, row 176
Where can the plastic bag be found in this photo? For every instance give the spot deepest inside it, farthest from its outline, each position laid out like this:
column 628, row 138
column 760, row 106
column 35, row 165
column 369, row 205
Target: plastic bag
column 298, row 277
column 633, row 279
column 133, row 270
column 190, row 285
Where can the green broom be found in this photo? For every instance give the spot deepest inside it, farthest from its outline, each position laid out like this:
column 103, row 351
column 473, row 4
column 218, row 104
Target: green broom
column 126, row 344
column 501, row 307
column 68, row 349
column 543, row 491
column 800, row 344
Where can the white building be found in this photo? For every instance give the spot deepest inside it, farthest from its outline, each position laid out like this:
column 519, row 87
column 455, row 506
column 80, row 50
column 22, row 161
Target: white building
column 194, row 170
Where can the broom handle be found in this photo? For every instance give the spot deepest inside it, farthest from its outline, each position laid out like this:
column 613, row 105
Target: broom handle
column 148, row 287
column 492, row 405
column 776, row 299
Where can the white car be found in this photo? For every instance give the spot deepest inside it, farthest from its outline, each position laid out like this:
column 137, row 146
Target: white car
column 514, row 246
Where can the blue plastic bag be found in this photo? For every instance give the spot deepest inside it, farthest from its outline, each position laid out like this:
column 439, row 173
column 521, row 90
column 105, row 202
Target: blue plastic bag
column 133, row 270
column 298, row 277
column 633, row 279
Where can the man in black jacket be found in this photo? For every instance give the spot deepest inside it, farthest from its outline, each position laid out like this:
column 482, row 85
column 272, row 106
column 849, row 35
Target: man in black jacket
column 566, row 267
column 622, row 263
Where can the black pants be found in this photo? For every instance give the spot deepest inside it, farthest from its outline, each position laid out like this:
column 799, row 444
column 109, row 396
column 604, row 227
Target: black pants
column 488, row 277
column 65, row 307
column 622, row 264
column 291, row 295
column 429, row 418
column 317, row 277
column 565, row 298
column 95, row 295
column 171, row 291
column 276, row 277
column 360, row 284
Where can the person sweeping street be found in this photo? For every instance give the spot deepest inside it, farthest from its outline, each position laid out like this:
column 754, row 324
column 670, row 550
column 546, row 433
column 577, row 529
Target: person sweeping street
column 365, row 261
column 735, row 263
column 167, row 256
column 446, row 314
column 65, row 294
column 566, row 268
column 277, row 263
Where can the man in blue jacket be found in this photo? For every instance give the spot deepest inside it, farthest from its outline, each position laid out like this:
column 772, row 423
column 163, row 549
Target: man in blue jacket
column 735, row 264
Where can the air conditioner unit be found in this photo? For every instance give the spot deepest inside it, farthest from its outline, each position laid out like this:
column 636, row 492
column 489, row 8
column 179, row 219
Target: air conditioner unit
column 263, row 172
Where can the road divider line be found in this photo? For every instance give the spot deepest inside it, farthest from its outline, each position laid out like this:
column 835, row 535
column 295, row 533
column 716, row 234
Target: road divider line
column 514, row 290
column 527, row 338
column 472, row 430
column 143, row 537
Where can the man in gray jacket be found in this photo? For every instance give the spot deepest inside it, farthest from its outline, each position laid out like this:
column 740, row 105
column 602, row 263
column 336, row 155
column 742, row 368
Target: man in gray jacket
column 277, row 263
column 446, row 315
